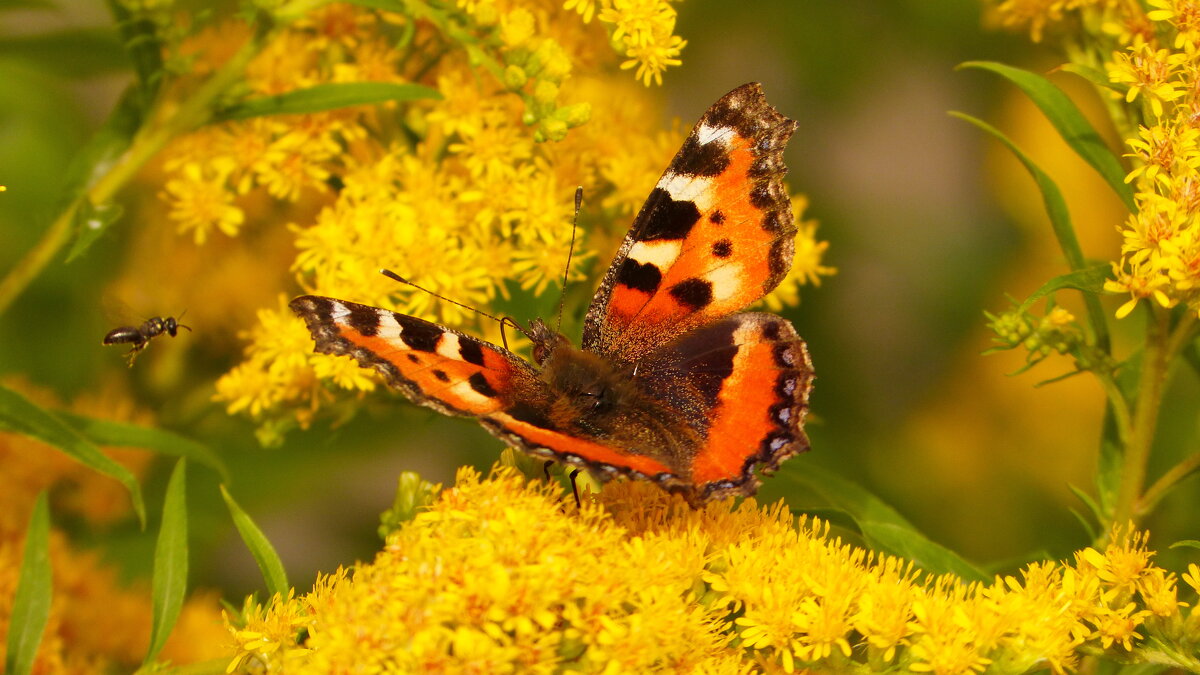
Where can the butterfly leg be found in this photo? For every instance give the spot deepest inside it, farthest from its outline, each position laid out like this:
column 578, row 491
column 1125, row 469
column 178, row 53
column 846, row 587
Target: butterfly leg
column 546, row 469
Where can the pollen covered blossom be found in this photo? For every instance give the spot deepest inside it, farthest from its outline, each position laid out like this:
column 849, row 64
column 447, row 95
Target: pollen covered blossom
column 499, row 574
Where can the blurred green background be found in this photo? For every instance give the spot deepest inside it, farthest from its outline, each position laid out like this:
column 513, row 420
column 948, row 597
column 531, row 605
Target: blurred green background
column 929, row 224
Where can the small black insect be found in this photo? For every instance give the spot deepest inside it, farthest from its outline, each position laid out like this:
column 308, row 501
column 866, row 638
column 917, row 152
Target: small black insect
column 141, row 336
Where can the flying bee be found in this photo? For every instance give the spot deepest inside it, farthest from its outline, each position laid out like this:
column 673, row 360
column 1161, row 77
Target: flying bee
column 141, row 335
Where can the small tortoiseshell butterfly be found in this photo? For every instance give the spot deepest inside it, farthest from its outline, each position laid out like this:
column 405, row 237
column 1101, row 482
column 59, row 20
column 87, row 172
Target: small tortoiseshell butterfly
column 670, row 385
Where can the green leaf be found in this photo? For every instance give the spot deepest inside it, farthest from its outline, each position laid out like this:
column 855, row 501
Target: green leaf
column 20, row 415
column 327, row 97
column 1070, row 123
column 31, row 603
column 1089, row 280
column 91, row 221
column 1060, row 220
column 1186, row 543
column 264, row 554
column 108, row 432
column 170, row 561
column 1095, row 76
column 1108, row 468
column 95, row 159
column 1092, row 506
column 882, row 527
column 1088, row 528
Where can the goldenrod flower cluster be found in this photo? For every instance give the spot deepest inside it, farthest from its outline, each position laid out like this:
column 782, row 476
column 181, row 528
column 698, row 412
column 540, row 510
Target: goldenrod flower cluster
column 469, row 196
column 1160, row 254
column 1152, row 59
column 503, row 575
column 97, row 623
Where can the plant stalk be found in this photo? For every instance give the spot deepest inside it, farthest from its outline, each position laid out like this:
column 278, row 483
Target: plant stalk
column 1151, row 384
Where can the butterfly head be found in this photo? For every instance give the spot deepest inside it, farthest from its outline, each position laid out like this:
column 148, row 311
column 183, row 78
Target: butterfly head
column 545, row 341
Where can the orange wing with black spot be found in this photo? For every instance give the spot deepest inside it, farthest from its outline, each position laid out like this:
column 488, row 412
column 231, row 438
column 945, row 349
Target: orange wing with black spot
column 715, row 234
column 435, row 366
column 744, row 382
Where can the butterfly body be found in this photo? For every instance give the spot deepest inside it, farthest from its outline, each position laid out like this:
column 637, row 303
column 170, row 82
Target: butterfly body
column 670, row 384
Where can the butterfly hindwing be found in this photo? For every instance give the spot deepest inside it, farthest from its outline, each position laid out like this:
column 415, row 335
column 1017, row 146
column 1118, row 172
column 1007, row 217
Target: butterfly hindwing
column 714, row 236
column 744, row 380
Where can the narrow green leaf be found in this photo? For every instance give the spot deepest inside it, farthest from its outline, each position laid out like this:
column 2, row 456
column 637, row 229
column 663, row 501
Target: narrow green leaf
column 109, row 432
column 1087, row 526
column 264, row 554
column 1089, row 280
column 1110, row 459
column 31, row 604
column 1095, row 76
column 1070, row 123
column 20, row 415
column 1186, row 543
column 96, row 158
column 882, row 527
column 91, row 221
column 1088, row 502
column 1060, row 220
column 170, row 561
column 1108, row 467
column 327, row 97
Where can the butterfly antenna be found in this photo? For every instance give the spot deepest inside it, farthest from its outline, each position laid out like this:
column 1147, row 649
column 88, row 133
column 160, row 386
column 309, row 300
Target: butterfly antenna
column 502, row 321
column 562, row 297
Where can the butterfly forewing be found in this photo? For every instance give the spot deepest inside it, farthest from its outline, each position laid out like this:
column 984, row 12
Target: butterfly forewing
column 446, row 370
column 714, row 236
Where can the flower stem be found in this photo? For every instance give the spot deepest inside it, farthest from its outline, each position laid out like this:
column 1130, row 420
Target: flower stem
column 1163, row 345
column 1145, row 416
column 147, row 142
column 1159, row 489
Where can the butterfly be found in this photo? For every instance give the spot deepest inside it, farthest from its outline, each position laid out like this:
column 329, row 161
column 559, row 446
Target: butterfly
column 672, row 383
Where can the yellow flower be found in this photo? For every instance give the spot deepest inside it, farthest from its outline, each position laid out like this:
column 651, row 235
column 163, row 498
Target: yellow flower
column 651, row 59
column 1148, row 72
column 646, row 30
column 1118, row 626
column 201, row 202
column 506, row 575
